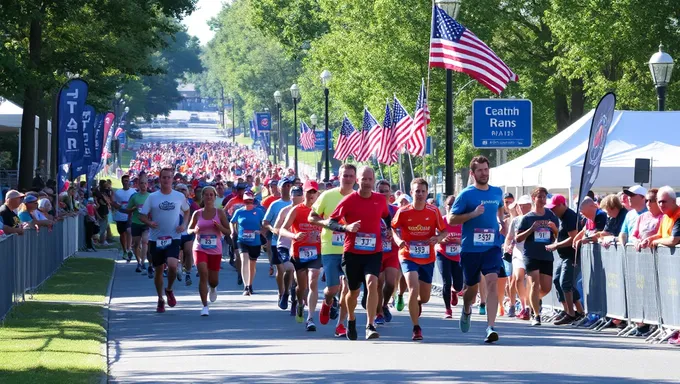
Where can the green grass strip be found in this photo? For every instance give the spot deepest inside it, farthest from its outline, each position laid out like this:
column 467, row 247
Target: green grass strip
column 78, row 280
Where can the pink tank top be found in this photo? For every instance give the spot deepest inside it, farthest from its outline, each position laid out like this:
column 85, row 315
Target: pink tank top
column 209, row 238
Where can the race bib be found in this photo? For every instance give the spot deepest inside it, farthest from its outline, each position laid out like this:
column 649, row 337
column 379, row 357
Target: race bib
column 365, row 241
column 163, row 242
column 542, row 235
column 308, row 254
column 452, row 250
column 484, row 237
column 387, row 246
column 208, row 241
column 248, row 235
column 338, row 239
column 419, row 249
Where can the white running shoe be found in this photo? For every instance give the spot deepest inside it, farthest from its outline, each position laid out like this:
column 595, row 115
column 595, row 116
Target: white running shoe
column 213, row 294
column 205, row 311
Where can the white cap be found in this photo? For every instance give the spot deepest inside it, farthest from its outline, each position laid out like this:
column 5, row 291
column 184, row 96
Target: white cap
column 636, row 190
column 524, row 199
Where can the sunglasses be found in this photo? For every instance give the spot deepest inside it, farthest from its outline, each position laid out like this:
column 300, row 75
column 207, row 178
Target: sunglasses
column 650, row 200
column 662, row 201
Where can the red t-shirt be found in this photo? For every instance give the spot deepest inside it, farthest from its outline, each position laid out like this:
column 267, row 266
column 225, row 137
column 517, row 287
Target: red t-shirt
column 312, row 238
column 417, row 227
column 370, row 211
column 269, row 200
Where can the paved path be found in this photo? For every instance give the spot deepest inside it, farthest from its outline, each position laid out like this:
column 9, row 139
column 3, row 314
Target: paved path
column 248, row 339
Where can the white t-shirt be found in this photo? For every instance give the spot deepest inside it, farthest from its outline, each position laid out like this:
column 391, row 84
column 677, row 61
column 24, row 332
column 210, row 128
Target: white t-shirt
column 518, row 249
column 122, row 197
column 165, row 210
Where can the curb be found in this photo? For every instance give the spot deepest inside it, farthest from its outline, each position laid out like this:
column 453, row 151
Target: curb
column 105, row 316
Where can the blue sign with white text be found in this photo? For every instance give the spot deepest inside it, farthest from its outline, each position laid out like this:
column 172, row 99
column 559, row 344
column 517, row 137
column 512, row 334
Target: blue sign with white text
column 263, row 121
column 502, row 123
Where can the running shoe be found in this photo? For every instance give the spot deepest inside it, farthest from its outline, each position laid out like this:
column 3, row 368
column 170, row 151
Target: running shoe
column 160, row 308
column 129, row 256
column 340, row 331
column 449, row 314
column 511, row 312
column 212, row 294
column 150, row 272
column 123, row 256
column 187, row 280
column 139, row 268
column 460, row 294
column 310, row 326
column 239, row 280
column 380, row 320
column 250, row 289
column 675, row 338
column 491, row 335
column 482, row 309
column 171, row 298
column 417, row 333
column 501, row 311
column 590, row 320
column 465, row 321
column 298, row 313
column 324, row 313
column 454, row 298
column 283, row 301
column 205, row 311
column 351, row 330
column 246, row 292
column 536, row 321
column 564, row 320
column 387, row 314
column 400, row 303
column 334, row 309
column 524, row 314
column 371, row 332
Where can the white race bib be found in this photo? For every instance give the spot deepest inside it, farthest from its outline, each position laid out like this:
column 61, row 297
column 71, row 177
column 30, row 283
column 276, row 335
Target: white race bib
column 452, row 250
column 542, row 235
column 338, row 239
column 419, row 249
column 208, row 241
column 484, row 237
column 163, row 242
column 365, row 241
column 308, row 254
column 248, row 235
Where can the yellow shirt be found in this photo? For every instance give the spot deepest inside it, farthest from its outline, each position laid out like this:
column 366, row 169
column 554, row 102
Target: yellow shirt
column 324, row 206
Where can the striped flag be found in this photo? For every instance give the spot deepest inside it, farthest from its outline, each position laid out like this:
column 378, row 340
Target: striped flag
column 402, row 128
column 371, row 137
column 349, row 141
column 455, row 47
column 416, row 142
column 386, row 155
column 307, row 136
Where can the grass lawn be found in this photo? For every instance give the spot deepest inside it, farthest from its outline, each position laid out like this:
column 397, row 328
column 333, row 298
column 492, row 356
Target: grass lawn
column 79, row 279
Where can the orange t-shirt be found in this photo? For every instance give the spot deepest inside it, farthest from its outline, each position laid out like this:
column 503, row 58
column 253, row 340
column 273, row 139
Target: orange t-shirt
column 667, row 224
column 269, row 200
column 234, row 204
column 417, row 227
column 309, row 248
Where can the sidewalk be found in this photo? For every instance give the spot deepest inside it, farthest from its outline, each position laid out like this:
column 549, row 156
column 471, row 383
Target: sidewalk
column 248, row 339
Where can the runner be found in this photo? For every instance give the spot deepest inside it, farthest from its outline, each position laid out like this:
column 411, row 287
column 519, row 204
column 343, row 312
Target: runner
column 161, row 212
column 119, row 204
column 519, row 208
column 283, row 251
column 362, row 259
column 419, row 223
column 448, row 262
column 187, row 240
column 538, row 229
column 332, row 249
column 274, row 195
column 270, row 217
column 139, row 230
column 306, row 251
column 208, row 225
column 479, row 208
column 247, row 223
column 390, row 270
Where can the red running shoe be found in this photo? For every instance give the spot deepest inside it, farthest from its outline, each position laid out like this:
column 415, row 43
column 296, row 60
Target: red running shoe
column 340, row 331
column 171, row 298
column 324, row 313
column 161, row 306
column 417, row 333
column 454, row 298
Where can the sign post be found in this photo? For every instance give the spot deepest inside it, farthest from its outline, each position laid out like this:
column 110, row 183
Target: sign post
column 502, row 123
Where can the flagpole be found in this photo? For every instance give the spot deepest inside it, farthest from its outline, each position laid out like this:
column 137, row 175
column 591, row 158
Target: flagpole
column 401, row 174
column 410, row 161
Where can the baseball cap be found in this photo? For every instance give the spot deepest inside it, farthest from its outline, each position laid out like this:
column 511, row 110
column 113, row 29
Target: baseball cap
column 556, row 200
column 241, row 186
column 636, row 190
column 310, row 185
column 44, row 204
column 296, row 191
column 181, row 187
column 286, row 180
column 12, row 193
column 508, row 195
column 30, row 199
column 248, row 196
column 404, row 196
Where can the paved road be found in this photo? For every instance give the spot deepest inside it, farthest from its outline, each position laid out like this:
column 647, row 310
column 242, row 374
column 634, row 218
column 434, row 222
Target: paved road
column 248, row 339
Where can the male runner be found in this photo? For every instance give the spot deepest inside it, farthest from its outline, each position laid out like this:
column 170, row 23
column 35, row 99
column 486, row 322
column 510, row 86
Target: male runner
column 164, row 207
column 283, row 251
column 119, row 203
column 139, row 230
column 479, row 207
column 389, row 271
column 332, row 243
column 362, row 257
column 419, row 223
column 270, row 217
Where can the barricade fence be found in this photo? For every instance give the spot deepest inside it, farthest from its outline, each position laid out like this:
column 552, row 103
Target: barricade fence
column 28, row 260
column 620, row 283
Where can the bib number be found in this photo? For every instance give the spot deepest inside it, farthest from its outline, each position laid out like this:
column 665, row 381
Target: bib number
column 308, row 254
column 542, row 235
column 163, row 242
column 484, row 237
column 452, row 250
column 365, row 241
column 338, row 239
column 387, row 246
column 248, row 235
column 419, row 249
column 208, row 241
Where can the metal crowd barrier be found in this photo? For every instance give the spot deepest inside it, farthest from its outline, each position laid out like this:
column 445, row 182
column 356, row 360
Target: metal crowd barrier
column 28, row 260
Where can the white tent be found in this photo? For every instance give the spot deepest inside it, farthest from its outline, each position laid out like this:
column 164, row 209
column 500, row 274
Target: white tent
column 10, row 121
column 557, row 164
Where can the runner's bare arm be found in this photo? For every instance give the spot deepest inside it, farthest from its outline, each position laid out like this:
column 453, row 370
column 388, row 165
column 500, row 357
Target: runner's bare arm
column 223, row 223
column 454, row 219
column 284, row 230
column 501, row 220
column 316, row 219
column 192, row 229
column 145, row 219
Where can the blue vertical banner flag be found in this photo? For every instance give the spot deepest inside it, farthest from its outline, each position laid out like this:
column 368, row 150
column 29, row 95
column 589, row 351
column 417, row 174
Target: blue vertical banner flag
column 70, row 105
column 82, row 166
column 98, row 144
column 252, row 130
column 263, row 121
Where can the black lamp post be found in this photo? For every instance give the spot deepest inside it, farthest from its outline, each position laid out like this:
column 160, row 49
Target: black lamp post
column 295, row 93
column 314, row 119
column 661, row 66
column 277, row 98
column 451, row 7
column 325, row 80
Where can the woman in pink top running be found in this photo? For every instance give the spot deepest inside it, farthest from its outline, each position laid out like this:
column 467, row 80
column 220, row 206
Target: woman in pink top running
column 209, row 224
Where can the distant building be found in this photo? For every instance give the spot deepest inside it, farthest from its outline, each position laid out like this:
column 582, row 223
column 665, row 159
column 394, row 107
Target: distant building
column 192, row 100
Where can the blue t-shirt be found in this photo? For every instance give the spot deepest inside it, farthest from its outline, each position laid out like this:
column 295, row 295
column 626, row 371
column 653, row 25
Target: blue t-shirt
column 25, row 217
column 630, row 221
column 249, row 223
column 481, row 233
column 273, row 212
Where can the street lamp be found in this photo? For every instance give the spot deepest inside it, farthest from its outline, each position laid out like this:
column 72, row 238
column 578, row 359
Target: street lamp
column 295, row 93
column 325, row 80
column 661, row 66
column 451, row 7
column 277, row 98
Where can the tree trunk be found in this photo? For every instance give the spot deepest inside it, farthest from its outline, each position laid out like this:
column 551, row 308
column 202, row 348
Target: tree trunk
column 562, row 116
column 578, row 100
column 31, row 95
column 43, row 138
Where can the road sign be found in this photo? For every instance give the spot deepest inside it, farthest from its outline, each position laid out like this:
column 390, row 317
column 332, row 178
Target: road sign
column 502, row 123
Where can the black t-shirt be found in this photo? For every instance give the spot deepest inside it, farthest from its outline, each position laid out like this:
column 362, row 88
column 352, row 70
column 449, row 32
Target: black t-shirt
column 9, row 218
column 568, row 223
column 614, row 224
column 534, row 245
column 103, row 209
column 675, row 232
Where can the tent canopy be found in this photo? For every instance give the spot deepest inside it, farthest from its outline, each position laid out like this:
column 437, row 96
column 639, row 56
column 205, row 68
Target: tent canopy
column 10, row 116
column 558, row 163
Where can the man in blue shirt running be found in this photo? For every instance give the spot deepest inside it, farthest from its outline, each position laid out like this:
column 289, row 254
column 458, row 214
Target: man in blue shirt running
column 479, row 208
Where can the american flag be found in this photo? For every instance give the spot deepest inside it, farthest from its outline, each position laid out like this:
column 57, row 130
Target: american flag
column 349, row 141
column 416, row 142
column 307, row 136
column 386, row 155
column 455, row 47
column 402, row 128
column 371, row 137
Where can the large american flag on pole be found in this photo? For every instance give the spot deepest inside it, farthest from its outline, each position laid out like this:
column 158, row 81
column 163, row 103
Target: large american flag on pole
column 402, row 127
column 416, row 142
column 371, row 135
column 307, row 136
column 349, row 141
column 386, row 154
column 455, row 47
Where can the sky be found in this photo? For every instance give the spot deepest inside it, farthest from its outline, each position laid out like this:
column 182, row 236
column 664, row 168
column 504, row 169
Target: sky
column 197, row 22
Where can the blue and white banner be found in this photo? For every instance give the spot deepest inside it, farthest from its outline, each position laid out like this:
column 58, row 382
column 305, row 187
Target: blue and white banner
column 98, row 144
column 252, row 130
column 70, row 105
column 263, row 121
column 82, row 166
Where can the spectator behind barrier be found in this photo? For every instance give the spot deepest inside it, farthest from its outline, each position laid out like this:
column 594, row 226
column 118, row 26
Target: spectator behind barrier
column 648, row 223
column 637, row 198
column 595, row 222
column 616, row 214
column 669, row 230
column 10, row 220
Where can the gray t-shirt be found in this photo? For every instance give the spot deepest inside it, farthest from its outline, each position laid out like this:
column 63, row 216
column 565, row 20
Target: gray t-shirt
column 165, row 210
column 534, row 245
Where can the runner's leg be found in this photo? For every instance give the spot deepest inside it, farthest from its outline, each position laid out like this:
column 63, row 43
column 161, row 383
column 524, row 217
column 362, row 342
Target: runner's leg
column 313, row 294
column 203, row 282
column 492, row 298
